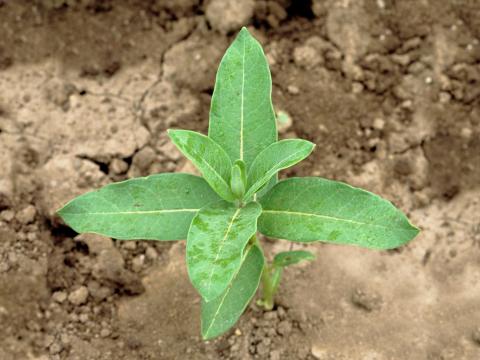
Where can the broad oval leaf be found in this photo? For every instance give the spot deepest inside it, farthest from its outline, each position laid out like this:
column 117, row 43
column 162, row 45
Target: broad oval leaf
column 315, row 209
column 157, row 207
column 276, row 157
column 242, row 120
column 287, row 258
column 215, row 244
column 209, row 157
column 222, row 313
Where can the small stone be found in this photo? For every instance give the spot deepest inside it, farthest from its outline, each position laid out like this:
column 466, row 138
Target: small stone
column 7, row 215
column 263, row 350
column 292, row 89
column 59, row 296
column 138, row 262
column 357, row 87
column 4, row 267
column 306, row 57
column 366, row 301
column 444, row 97
column 65, row 339
column 129, row 245
column 83, row 318
column 78, row 296
column 378, row 124
column 55, row 348
column 238, row 332
column 466, row 133
column 105, row 333
column 170, row 151
column 27, row 215
column 142, row 160
column 282, row 314
column 229, row 15
column 284, row 328
column 118, row 166
column 275, row 355
column 428, row 80
column 151, row 253
column 319, row 353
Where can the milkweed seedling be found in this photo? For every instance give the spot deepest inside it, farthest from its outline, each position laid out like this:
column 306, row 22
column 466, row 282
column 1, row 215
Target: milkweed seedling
column 239, row 194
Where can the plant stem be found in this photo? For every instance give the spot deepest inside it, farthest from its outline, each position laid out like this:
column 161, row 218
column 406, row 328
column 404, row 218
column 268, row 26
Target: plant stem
column 270, row 280
column 268, row 290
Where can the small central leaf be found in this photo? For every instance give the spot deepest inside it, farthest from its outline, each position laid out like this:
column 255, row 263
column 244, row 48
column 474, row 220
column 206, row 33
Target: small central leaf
column 208, row 157
column 215, row 244
column 276, row 157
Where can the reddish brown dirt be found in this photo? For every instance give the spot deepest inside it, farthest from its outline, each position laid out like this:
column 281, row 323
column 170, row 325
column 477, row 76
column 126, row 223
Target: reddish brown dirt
column 388, row 90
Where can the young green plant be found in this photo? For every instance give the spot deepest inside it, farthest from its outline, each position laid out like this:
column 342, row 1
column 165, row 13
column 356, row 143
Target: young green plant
column 238, row 196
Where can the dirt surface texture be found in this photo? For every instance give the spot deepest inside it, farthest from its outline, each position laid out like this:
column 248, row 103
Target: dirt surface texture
column 389, row 90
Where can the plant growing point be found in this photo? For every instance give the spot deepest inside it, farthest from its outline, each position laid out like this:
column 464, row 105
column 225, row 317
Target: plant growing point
column 238, row 197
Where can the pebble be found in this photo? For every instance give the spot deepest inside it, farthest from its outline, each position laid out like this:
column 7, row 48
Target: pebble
column 357, row 87
column 55, row 348
column 444, row 97
column 319, row 353
column 151, row 253
column 7, row 215
column 130, row 245
column 365, row 300
column 118, row 166
column 79, row 296
column 284, row 328
column 4, row 267
column 378, row 124
column 59, row 296
column 138, row 262
column 306, row 57
column 292, row 89
column 466, row 133
column 229, row 15
column 105, row 333
column 27, row 215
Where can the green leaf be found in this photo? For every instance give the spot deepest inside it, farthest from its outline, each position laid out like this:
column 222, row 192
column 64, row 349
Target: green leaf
column 242, row 120
column 311, row 209
column 287, row 258
column 212, row 161
column 215, row 244
column 238, row 179
column 222, row 313
column 276, row 157
column 157, row 207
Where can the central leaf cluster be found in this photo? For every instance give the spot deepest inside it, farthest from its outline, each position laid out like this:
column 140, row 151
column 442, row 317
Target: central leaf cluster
column 219, row 232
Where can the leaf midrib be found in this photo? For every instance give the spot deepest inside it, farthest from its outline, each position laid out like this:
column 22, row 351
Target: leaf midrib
column 229, row 228
column 227, row 291
column 271, row 172
column 298, row 213
column 142, row 212
column 242, row 108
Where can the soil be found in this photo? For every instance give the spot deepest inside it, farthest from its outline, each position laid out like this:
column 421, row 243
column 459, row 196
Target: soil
column 388, row 90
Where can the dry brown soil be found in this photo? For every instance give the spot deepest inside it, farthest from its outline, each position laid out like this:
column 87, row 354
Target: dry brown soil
column 389, row 90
